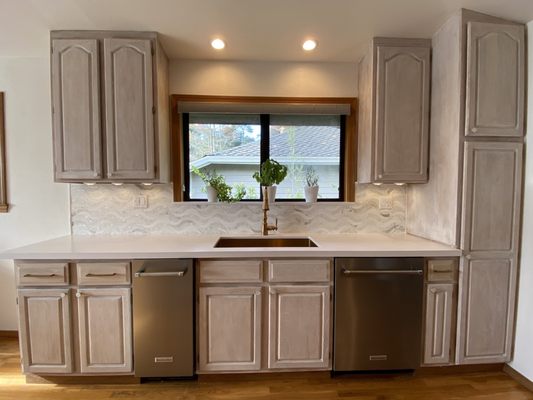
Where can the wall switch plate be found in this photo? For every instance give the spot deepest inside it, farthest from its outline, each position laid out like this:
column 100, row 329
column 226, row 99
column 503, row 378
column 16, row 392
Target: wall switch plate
column 140, row 201
column 385, row 203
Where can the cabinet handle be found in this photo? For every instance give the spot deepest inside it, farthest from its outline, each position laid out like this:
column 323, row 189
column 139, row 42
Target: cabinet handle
column 140, row 274
column 91, row 275
column 382, row 271
column 39, row 275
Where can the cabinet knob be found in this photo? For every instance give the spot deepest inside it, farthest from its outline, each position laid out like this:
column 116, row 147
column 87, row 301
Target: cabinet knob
column 380, row 176
column 63, row 295
column 474, row 130
column 78, row 295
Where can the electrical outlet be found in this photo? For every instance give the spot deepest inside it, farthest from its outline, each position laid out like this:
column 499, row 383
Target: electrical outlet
column 140, row 201
column 385, row 203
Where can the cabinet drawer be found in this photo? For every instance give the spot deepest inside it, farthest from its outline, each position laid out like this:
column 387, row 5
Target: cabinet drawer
column 110, row 273
column 42, row 274
column 299, row 271
column 231, row 271
column 442, row 270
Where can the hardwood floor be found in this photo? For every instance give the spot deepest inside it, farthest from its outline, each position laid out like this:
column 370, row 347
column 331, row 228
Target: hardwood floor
column 481, row 385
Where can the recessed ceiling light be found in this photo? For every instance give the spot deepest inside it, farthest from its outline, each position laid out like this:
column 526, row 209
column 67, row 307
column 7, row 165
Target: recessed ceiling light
column 218, row 44
column 309, row 45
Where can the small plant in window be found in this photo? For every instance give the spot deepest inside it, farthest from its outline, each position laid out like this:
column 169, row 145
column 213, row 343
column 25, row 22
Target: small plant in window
column 311, row 190
column 270, row 174
column 218, row 189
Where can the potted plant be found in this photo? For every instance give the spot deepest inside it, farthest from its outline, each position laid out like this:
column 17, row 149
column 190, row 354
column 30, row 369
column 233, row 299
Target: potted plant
column 217, row 188
column 270, row 174
column 311, row 190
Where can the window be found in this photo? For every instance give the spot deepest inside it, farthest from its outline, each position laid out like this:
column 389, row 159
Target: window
column 234, row 145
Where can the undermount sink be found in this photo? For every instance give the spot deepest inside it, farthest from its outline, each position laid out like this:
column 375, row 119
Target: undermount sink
column 265, row 242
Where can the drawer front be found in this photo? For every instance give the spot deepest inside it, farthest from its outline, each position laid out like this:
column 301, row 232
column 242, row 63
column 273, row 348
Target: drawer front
column 231, row 271
column 103, row 274
column 299, row 271
column 442, row 270
column 42, row 274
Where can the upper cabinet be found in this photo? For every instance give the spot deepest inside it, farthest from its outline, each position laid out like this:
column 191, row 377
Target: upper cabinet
column 110, row 107
column 394, row 80
column 495, row 80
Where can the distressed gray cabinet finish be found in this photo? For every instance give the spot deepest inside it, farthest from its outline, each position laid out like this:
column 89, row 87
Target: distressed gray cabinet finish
column 76, row 109
column 130, row 109
column 229, row 328
column 487, row 310
column 45, row 338
column 298, row 326
column 492, row 196
column 394, row 111
column 495, row 85
column 438, row 326
column 105, row 329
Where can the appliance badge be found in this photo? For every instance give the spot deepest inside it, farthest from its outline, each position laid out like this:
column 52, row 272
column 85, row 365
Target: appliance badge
column 378, row 357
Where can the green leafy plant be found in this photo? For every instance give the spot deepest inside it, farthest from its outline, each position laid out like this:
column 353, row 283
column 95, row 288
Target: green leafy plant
column 311, row 177
column 217, row 182
column 270, row 173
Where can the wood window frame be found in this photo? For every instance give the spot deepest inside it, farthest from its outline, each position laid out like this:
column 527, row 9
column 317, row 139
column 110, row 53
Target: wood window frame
column 4, row 207
column 350, row 138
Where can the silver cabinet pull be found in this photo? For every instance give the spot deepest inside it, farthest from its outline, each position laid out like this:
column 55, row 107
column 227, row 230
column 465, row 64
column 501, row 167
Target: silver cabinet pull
column 39, row 275
column 141, row 274
column 91, row 275
column 382, row 271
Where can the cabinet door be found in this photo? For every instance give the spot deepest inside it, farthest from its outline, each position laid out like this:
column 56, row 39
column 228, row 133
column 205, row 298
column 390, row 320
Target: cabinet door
column 486, row 310
column 438, row 327
column 402, row 114
column 491, row 196
column 129, row 109
column 299, row 326
column 104, row 317
column 76, row 109
column 45, row 336
column 229, row 328
column 495, row 80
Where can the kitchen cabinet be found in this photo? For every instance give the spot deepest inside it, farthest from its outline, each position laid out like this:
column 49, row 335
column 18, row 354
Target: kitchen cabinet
column 298, row 326
column 105, row 330
column 230, row 328
column 487, row 310
column 438, row 326
column 45, row 335
column 394, row 84
column 495, row 79
column 110, row 107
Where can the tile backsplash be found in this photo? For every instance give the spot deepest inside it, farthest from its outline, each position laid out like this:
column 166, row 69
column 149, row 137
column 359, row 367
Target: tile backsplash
column 108, row 209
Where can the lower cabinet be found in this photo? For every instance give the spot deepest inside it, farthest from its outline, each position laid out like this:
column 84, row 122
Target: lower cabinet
column 45, row 338
column 105, row 334
column 438, row 326
column 229, row 328
column 298, row 326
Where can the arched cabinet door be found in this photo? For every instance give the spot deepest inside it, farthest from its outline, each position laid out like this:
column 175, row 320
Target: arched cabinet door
column 495, row 80
column 129, row 109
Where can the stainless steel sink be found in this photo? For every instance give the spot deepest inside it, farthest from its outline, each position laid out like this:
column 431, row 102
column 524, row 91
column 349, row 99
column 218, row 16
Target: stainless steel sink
column 265, row 242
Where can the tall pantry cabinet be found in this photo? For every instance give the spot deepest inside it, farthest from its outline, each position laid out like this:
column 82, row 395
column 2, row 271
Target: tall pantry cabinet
column 473, row 199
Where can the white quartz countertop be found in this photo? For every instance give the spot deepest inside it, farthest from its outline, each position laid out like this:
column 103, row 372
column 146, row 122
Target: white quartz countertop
column 98, row 247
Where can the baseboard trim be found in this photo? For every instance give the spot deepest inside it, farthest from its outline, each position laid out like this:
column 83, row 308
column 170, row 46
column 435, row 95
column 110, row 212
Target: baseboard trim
column 82, row 380
column 9, row 334
column 517, row 376
column 459, row 369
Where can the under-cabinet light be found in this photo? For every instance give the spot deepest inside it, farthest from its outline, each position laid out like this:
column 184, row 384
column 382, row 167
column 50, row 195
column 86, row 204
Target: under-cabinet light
column 218, row 44
column 309, row 45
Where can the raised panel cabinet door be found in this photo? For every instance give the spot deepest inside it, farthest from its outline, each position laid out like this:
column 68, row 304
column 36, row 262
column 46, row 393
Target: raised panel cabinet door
column 129, row 105
column 229, row 328
column 495, row 80
column 299, row 326
column 487, row 303
column 45, row 335
column 76, row 109
column 105, row 329
column 492, row 190
column 438, row 326
column 402, row 114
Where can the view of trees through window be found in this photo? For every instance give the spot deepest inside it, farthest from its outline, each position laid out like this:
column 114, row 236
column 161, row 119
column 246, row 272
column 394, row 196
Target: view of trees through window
column 230, row 145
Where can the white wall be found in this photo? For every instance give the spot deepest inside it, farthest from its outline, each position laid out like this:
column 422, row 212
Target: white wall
column 523, row 352
column 39, row 207
column 244, row 78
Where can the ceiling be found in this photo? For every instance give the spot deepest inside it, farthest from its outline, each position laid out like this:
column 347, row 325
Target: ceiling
column 259, row 30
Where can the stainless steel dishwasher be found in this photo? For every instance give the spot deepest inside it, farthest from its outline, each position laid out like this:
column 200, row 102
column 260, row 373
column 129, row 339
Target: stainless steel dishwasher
column 163, row 324
column 378, row 313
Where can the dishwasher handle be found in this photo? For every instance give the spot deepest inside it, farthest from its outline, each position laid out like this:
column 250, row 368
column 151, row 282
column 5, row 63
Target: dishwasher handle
column 382, row 271
column 142, row 273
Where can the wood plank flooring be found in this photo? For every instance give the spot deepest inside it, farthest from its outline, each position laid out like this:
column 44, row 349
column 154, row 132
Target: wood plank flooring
column 480, row 385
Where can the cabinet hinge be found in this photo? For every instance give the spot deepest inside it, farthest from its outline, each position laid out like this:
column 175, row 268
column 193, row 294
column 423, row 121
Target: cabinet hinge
column 152, row 50
column 17, row 301
column 153, row 110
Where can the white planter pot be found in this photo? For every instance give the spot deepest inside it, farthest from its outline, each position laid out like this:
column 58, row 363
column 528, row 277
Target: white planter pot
column 311, row 194
column 272, row 193
column 211, row 194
